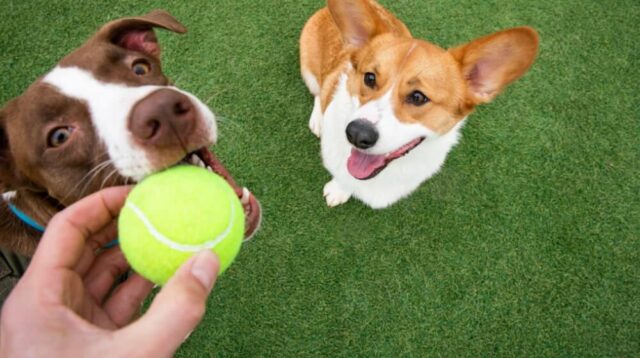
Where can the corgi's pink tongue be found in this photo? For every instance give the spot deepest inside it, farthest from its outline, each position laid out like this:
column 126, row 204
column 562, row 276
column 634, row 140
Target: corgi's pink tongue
column 362, row 165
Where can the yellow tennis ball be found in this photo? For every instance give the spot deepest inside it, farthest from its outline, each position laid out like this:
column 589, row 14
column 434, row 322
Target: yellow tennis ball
column 175, row 214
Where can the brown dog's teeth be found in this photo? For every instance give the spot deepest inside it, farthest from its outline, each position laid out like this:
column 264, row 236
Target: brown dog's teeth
column 246, row 196
column 195, row 160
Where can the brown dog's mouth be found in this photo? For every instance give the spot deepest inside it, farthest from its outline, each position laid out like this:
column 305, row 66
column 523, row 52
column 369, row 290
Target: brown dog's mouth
column 204, row 158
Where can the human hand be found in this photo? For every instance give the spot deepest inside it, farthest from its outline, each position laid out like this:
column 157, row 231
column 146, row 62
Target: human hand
column 65, row 306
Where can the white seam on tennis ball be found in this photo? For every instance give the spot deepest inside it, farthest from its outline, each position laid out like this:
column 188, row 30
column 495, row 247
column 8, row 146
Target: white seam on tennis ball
column 177, row 246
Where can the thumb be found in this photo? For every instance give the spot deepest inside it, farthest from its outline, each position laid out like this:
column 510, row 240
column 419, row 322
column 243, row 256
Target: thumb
column 178, row 308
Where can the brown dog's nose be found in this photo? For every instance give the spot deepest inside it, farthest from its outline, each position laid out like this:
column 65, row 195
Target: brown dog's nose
column 164, row 118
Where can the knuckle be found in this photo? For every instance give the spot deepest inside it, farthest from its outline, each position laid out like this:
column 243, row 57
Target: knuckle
column 56, row 220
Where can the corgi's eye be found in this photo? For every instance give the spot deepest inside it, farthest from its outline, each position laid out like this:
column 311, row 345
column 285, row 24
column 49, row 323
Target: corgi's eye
column 141, row 68
column 59, row 136
column 417, row 98
column 370, row 79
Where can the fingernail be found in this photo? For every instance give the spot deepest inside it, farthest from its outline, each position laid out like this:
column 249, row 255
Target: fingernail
column 205, row 268
column 187, row 336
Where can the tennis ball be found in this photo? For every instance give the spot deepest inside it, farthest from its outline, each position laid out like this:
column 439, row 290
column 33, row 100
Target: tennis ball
column 176, row 213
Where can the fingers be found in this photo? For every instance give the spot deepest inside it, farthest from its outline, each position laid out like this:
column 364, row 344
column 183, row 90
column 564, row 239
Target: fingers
column 94, row 247
column 177, row 309
column 125, row 302
column 107, row 268
column 63, row 243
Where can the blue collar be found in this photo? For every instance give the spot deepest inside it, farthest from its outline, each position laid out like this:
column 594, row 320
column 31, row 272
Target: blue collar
column 25, row 218
column 34, row 225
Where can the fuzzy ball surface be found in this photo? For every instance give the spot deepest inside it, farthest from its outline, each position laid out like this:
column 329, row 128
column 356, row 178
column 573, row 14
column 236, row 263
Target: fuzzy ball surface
column 176, row 213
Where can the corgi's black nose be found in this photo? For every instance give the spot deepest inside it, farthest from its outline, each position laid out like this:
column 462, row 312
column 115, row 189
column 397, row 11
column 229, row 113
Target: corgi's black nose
column 362, row 134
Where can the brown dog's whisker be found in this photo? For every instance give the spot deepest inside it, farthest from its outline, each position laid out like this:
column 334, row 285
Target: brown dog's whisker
column 102, row 186
column 87, row 178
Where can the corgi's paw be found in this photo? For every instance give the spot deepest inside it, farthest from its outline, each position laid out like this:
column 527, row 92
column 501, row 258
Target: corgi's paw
column 315, row 122
column 334, row 194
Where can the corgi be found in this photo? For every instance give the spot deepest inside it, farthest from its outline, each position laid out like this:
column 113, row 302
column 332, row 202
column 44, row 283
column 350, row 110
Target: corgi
column 388, row 108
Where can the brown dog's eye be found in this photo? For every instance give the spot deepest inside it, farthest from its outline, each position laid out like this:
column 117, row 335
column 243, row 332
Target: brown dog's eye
column 370, row 79
column 59, row 136
column 417, row 98
column 141, row 68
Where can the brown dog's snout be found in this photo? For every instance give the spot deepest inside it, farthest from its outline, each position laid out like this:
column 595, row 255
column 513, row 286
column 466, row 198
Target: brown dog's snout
column 164, row 118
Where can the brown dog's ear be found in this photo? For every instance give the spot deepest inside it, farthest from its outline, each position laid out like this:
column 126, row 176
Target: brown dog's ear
column 490, row 63
column 357, row 20
column 136, row 33
column 6, row 163
column 10, row 177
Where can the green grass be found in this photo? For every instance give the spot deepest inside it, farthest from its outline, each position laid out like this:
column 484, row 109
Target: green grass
column 527, row 243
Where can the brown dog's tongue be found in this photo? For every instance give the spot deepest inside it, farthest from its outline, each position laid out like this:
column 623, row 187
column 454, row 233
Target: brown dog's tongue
column 211, row 160
column 251, row 205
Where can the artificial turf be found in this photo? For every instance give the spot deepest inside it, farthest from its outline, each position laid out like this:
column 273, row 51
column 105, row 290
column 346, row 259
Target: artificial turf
column 527, row 243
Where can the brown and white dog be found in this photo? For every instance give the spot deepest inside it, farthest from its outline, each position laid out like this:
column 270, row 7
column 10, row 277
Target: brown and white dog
column 105, row 115
column 388, row 107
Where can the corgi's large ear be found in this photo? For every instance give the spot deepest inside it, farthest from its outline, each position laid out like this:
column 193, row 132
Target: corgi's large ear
column 490, row 63
column 357, row 20
column 136, row 33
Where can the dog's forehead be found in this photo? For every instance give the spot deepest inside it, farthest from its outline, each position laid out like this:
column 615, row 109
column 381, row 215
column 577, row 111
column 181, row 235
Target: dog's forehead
column 113, row 64
column 405, row 55
column 111, row 52
column 383, row 51
column 433, row 70
column 38, row 103
column 103, row 60
column 421, row 65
